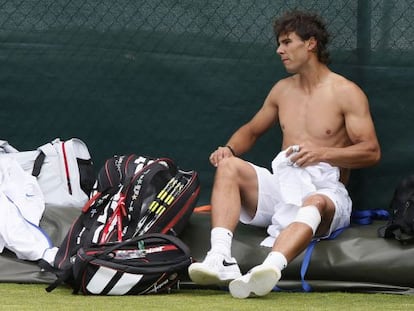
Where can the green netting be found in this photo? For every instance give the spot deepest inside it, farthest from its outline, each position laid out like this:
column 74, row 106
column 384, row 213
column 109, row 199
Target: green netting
column 176, row 78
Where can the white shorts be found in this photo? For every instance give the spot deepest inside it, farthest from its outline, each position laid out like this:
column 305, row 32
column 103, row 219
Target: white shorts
column 273, row 213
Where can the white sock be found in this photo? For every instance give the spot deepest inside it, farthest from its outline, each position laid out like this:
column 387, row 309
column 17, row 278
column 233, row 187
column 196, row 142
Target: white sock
column 221, row 239
column 276, row 259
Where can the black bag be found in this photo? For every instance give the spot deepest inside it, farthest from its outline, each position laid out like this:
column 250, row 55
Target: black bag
column 147, row 264
column 401, row 224
column 133, row 196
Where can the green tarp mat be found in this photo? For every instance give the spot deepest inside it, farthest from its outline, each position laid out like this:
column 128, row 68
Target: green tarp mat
column 356, row 261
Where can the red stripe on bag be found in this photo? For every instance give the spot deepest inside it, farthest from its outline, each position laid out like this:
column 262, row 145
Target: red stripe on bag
column 90, row 202
column 115, row 217
column 65, row 160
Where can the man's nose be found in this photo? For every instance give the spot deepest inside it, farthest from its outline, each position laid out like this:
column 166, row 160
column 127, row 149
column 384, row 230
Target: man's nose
column 279, row 50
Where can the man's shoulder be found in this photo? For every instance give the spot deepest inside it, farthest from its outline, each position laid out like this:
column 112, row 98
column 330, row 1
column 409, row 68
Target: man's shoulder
column 287, row 80
column 342, row 82
column 284, row 83
column 347, row 92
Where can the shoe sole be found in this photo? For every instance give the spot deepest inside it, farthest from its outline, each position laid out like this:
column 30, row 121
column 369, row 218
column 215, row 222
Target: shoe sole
column 202, row 276
column 258, row 282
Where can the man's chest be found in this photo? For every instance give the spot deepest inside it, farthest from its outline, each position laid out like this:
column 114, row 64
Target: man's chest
column 318, row 118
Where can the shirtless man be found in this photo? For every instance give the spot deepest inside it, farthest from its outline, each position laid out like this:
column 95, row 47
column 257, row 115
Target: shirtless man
column 326, row 124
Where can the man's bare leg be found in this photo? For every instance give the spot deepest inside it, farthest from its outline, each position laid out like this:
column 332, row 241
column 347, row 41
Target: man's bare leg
column 296, row 237
column 233, row 178
column 290, row 243
column 235, row 185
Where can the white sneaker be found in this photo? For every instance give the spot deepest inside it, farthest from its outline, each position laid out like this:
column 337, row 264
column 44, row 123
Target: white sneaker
column 258, row 281
column 215, row 269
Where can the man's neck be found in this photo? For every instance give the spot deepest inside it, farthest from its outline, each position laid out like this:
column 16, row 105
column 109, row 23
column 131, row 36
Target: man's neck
column 313, row 76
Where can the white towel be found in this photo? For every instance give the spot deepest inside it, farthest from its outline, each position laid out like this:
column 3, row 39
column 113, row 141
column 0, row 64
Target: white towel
column 294, row 184
column 21, row 208
column 22, row 189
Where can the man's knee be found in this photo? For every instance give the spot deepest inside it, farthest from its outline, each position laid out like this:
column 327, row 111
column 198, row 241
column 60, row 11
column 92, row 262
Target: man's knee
column 227, row 167
column 310, row 216
column 326, row 210
column 318, row 200
column 236, row 170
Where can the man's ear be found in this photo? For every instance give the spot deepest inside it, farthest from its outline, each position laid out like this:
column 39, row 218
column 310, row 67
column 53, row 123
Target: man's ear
column 312, row 44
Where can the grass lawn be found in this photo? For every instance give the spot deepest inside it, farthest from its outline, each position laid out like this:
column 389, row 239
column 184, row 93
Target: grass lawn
column 34, row 297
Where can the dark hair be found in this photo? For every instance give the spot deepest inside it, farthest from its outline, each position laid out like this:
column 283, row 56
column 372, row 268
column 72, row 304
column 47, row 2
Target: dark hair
column 305, row 25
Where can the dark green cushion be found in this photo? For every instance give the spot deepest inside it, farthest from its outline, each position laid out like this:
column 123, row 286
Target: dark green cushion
column 357, row 260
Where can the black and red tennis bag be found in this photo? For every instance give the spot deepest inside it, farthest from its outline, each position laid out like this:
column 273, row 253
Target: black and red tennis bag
column 133, row 195
column 146, row 264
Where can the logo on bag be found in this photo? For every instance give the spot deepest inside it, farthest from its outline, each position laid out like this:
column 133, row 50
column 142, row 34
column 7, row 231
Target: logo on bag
column 136, row 190
column 118, row 161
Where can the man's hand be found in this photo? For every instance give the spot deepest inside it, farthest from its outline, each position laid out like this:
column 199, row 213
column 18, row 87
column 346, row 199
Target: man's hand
column 219, row 154
column 302, row 155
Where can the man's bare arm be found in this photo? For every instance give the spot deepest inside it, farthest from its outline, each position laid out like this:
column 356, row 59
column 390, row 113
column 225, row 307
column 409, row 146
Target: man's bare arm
column 246, row 136
column 365, row 149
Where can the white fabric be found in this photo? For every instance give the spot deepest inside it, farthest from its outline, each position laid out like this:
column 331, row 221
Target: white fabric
column 21, row 207
column 276, row 259
column 5, row 147
column 310, row 216
column 282, row 192
column 294, row 183
column 220, row 240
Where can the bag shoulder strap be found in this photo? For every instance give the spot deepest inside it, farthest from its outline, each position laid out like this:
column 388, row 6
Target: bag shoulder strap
column 366, row 217
column 46, row 149
column 38, row 163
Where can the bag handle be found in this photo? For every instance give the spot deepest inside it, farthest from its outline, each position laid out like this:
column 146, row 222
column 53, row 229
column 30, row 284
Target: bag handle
column 166, row 237
column 38, row 163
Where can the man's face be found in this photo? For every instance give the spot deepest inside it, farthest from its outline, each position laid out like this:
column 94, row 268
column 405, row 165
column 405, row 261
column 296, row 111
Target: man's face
column 293, row 51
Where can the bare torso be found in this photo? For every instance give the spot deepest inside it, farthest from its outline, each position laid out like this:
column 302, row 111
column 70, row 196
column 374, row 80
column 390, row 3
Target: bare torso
column 315, row 117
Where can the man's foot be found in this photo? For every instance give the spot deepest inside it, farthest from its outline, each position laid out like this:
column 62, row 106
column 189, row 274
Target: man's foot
column 215, row 269
column 258, row 281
